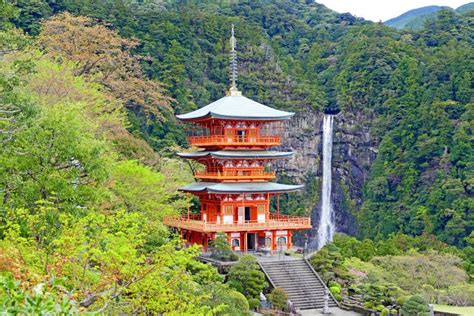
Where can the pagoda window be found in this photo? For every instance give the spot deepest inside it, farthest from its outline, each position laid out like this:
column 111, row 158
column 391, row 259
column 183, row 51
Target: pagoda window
column 241, row 135
column 229, row 135
column 252, row 135
column 227, row 214
column 268, row 242
column 261, row 213
column 235, row 242
column 281, row 240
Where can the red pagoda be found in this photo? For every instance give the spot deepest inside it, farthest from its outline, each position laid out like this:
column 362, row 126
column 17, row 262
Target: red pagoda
column 235, row 135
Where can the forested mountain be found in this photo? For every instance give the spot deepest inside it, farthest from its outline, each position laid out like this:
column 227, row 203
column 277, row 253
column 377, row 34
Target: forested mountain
column 89, row 92
column 416, row 18
column 413, row 18
column 465, row 8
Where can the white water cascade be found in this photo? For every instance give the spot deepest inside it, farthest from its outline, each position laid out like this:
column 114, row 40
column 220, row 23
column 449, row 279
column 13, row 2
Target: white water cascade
column 327, row 226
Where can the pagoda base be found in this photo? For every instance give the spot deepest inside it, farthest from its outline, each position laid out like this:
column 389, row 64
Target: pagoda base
column 267, row 237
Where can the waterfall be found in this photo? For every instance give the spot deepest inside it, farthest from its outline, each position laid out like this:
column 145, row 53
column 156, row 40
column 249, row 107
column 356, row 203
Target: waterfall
column 327, row 224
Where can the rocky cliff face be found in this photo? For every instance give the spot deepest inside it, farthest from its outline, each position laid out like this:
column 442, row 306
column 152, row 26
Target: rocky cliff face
column 354, row 149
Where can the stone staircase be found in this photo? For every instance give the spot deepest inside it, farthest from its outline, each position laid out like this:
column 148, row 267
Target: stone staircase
column 303, row 285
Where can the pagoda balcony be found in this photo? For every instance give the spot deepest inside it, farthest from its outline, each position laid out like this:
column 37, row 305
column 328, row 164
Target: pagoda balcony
column 235, row 174
column 221, row 140
column 280, row 222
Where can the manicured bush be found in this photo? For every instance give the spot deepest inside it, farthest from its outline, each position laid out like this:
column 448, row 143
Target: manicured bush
column 278, row 298
column 335, row 290
column 254, row 303
column 245, row 276
column 415, row 305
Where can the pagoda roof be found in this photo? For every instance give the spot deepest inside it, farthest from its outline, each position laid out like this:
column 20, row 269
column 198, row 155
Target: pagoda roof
column 236, row 154
column 236, row 107
column 240, row 187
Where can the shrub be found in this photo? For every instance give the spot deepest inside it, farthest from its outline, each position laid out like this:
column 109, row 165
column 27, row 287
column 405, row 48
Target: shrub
column 254, row 303
column 236, row 304
column 278, row 298
column 415, row 305
column 338, row 297
column 460, row 295
column 245, row 276
column 221, row 248
column 335, row 290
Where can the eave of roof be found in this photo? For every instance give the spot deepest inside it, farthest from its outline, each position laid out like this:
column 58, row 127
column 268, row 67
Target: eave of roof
column 236, row 107
column 240, row 187
column 237, row 154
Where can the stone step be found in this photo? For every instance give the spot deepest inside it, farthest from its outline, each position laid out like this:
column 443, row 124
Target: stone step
column 303, row 286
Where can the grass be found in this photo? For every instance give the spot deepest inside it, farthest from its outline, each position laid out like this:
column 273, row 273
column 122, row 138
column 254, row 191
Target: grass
column 465, row 311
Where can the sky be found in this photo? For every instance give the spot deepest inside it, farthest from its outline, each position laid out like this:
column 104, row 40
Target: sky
column 382, row 10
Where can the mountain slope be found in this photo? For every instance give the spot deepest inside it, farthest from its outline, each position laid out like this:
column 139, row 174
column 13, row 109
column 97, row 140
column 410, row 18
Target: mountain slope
column 402, row 155
column 414, row 18
column 465, row 8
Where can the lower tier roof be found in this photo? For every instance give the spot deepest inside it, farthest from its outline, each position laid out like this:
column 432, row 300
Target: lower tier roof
column 237, row 154
column 240, row 187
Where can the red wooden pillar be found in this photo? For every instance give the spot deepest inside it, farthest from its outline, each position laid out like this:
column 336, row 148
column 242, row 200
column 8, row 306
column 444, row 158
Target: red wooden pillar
column 273, row 240
column 289, row 239
column 245, row 242
column 278, row 206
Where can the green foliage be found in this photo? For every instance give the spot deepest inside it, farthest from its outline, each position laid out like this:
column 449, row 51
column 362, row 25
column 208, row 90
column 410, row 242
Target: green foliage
column 329, row 263
column 415, row 305
column 74, row 187
column 245, row 276
column 254, row 303
column 278, row 298
column 80, row 223
column 396, row 267
column 417, row 87
column 14, row 300
column 221, row 249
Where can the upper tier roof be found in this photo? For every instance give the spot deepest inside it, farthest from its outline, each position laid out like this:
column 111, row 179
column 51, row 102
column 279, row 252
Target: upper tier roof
column 240, row 187
column 237, row 154
column 236, row 107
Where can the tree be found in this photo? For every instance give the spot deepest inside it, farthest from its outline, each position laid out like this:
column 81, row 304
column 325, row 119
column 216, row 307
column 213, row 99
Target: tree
column 278, row 298
column 105, row 57
column 222, row 249
column 15, row 300
column 245, row 276
column 415, row 305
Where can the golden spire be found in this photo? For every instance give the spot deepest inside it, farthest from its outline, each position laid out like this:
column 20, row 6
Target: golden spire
column 233, row 91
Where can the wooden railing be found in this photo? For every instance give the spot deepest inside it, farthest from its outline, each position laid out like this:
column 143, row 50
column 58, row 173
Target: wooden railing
column 217, row 140
column 275, row 222
column 237, row 173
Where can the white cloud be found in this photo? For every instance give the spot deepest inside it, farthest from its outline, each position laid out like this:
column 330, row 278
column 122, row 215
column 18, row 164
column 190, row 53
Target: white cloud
column 382, row 10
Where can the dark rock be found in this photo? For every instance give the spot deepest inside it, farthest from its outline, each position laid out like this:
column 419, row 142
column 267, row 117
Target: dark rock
column 354, row 149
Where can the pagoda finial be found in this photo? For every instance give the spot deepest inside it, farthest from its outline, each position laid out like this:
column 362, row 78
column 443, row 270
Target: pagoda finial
column 233, row 91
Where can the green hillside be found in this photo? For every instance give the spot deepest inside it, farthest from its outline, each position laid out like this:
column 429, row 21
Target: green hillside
column 415, row 18
column 465, row 8
column 88, row 94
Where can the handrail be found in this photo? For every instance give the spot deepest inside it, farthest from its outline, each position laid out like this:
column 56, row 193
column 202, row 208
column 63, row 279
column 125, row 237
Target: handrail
column 273, row 223
column 234, row 140
column 235, row 173
column 322, row 282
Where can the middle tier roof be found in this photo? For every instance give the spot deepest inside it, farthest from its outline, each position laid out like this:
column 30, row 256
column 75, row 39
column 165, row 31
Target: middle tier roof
column 241, row 187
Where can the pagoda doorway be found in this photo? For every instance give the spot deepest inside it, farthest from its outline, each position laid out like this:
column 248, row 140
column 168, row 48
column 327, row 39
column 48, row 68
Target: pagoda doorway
column 251, row 237
column 247, row 214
